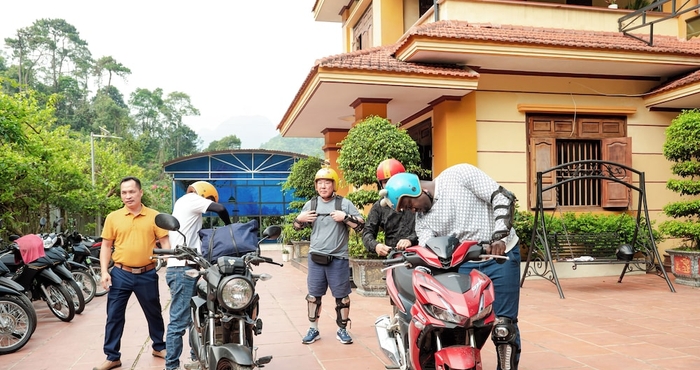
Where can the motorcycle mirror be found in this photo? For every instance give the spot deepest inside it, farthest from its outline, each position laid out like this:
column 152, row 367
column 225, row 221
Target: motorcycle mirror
column 42, row 221
column 474, row 252
column 167, row 222
column 272, row 232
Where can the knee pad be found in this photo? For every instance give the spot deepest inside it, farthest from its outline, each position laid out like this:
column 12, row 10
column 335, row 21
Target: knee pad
column 314, row 305
column 342, row 311
column 504, row 338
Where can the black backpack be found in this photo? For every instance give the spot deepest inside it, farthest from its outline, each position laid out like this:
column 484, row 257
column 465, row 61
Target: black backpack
column 338, row 203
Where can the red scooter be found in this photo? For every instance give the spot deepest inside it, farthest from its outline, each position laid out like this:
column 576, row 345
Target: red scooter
column 441, row 318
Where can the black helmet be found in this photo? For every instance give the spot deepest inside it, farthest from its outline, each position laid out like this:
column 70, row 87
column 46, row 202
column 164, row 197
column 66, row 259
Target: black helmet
column 625, row 252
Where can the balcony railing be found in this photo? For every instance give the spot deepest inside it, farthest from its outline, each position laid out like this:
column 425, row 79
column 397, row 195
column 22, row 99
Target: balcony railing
column 629, row 22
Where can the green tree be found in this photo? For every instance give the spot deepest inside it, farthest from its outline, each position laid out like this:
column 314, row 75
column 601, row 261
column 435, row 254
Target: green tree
column 301, row 180
column 682, row 147
column 230, row 142
column 112, row 67
column 366, row 145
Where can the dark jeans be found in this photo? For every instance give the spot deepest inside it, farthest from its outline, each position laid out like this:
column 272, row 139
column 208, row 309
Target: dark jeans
column 145, row 286
column 506, row 285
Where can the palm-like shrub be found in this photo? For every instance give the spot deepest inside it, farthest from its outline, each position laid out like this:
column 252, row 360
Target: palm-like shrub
column 682, row 147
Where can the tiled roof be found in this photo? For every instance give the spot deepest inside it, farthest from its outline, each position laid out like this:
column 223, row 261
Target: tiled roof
column 688, row 79
column 379, row 59
column 580, row 39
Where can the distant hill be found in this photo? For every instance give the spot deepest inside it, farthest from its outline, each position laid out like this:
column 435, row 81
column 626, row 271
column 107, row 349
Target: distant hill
column 252, row 130
column 258, row 132
column 308, row 146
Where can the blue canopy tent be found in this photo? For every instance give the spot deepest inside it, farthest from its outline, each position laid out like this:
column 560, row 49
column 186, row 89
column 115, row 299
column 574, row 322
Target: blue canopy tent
column 249, row 181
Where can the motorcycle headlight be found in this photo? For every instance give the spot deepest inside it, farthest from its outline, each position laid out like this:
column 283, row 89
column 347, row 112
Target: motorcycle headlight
column 235, row 292
column 446, row 314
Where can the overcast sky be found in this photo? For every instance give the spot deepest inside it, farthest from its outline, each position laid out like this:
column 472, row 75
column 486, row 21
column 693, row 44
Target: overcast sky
column 232, row 57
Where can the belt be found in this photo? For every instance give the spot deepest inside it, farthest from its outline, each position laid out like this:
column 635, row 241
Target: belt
column 136, row 270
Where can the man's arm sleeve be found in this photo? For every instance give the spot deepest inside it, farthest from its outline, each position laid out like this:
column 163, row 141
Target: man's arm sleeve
column 221, row 211
column 369, row 233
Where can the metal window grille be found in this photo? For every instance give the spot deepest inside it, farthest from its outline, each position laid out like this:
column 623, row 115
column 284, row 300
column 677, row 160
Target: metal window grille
column 584, row 192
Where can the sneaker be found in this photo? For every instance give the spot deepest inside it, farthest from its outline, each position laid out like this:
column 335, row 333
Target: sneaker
column 311, row 336
column 343, row 336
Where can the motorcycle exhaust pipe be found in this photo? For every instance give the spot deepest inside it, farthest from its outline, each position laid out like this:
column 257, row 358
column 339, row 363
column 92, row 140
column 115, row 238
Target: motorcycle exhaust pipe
column 386, row 341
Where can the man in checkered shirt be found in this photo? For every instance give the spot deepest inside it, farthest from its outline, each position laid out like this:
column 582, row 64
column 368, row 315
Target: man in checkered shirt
column 466, row 203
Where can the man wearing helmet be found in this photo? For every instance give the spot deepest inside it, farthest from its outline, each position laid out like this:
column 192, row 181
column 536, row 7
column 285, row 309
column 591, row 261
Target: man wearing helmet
column 398, row 226
column 328, row 263
column 466, row 203
column 201, row 197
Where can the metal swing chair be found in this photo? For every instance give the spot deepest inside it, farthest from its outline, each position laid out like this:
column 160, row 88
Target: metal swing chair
column 539, row 256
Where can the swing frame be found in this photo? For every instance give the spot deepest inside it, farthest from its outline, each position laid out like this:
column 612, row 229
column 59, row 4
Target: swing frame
column 539, row 256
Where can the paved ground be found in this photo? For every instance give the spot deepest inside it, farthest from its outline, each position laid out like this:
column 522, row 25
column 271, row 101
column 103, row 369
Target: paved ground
column 601, row 324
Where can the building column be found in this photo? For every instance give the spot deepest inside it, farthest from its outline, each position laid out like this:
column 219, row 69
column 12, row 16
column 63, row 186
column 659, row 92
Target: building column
column 454, row 131
column 332, row 138
column 365, row 107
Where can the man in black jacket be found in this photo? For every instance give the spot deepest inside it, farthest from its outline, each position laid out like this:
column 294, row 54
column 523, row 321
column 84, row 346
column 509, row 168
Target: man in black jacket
column 398, row 226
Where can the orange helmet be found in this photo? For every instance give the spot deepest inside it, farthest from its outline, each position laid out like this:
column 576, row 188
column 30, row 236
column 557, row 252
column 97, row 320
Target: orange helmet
column 206, row 190
column 388, row 168
column 327, row 174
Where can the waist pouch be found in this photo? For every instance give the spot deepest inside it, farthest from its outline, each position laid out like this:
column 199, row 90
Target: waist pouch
column 320, row 258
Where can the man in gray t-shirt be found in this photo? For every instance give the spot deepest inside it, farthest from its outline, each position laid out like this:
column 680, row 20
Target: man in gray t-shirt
column 328, row 264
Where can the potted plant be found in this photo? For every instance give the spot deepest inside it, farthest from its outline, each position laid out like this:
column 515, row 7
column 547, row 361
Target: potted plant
column 366, row 267
column 681, row 148
column 612, row 4
column 285, row 254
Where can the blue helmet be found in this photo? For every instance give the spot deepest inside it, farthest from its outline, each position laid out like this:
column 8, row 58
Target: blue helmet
column 400, row 185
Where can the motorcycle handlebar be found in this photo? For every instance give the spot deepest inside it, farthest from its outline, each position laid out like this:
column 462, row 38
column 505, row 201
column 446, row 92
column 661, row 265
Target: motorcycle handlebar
column 164, row 251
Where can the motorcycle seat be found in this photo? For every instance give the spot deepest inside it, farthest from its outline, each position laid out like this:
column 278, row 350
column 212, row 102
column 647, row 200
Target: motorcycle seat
column 403, row 278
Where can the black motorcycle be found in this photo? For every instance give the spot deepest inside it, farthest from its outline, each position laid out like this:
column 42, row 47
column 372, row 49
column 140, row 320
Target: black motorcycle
column 40, row 282
column 17, row 315
column 80, row 263
column 225, row 309
column 59, row 257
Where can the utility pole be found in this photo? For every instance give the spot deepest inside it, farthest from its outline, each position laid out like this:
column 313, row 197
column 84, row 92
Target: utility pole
column 98, row 218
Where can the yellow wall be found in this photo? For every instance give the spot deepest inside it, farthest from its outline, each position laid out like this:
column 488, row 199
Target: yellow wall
column 545, row 15
column 388, row 21
column 454, row 132
column 485, row 128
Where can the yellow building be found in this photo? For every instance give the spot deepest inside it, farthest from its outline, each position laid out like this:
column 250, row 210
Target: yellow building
column 510, row 86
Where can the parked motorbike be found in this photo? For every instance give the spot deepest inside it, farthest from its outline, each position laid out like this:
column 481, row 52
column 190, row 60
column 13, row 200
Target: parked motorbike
column 17, row 315
column 39, row 280
column 59, row 257
column 225, row 309
column 441, row 319
column 83, row 273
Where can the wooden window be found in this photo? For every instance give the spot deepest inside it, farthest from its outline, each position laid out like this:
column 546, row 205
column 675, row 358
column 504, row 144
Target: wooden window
column 556, row 139
column 362, row 32
column 424, row 6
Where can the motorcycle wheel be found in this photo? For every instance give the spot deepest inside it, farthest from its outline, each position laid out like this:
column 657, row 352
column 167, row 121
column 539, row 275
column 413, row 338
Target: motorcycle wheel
column 96, row 273
column 17, row 324
column 86, row 283
column 227, row 364
column 26, row 302
column 62, row 306
column 75, row 294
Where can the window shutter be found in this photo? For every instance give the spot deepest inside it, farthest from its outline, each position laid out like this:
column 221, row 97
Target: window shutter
column 618, row 150
column 542, row 158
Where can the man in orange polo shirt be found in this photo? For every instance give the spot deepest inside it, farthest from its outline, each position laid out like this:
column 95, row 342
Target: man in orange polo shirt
column 133, row 233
